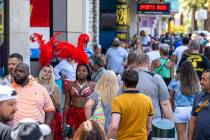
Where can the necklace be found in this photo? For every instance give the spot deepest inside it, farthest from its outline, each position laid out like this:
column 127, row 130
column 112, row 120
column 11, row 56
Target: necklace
column 81, row 85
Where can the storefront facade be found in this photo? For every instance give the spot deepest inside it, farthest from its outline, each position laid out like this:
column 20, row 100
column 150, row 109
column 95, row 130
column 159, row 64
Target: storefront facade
column 4, row 45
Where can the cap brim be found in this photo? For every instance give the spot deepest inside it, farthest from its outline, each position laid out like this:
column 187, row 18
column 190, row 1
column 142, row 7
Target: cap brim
column 7, row 98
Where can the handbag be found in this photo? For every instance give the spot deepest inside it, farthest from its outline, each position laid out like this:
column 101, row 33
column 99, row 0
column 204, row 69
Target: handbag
column 98, row 115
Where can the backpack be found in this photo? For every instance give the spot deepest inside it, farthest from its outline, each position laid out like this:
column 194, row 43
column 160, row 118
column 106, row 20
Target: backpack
column 98, row 115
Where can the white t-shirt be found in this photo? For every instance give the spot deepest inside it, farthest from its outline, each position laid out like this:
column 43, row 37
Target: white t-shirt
column 153, row 55
column 67, row 70
column 178, row 52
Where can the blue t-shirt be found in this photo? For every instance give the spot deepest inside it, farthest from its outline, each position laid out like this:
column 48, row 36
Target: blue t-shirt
column 180, row 100
column 89, row 52
column 115, row 57
column 202, row 131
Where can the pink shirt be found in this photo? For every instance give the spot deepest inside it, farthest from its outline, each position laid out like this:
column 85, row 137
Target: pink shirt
column 33, row 101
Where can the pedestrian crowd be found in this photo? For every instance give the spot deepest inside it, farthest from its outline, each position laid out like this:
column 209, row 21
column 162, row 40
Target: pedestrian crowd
column 118, row 95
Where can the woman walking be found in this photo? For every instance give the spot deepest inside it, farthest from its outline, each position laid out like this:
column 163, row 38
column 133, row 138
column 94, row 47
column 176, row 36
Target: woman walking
column 163, row 65
column 182, row 92
column 106, row 88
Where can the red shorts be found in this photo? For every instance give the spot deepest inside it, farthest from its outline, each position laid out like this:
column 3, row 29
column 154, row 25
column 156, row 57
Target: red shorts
column 57, row 126
column 75, row 117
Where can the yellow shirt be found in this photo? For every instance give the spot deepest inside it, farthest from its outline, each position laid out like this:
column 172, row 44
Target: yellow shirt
column 134, row 109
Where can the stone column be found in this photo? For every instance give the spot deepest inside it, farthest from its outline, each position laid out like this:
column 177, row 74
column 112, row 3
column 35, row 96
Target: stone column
column 170, row 25
column 133, row 18
column 19, row 26
column 77, row 19
column 207, row 22
column 60, row 18
column 94, row 20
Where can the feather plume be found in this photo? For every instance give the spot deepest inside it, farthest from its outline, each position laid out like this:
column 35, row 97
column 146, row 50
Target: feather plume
column 62, row 49
column 83, row 38
column 46, row 49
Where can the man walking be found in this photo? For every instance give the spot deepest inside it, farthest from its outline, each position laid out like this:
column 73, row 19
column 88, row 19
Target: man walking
column 33, row 100
column 115, row 57
column 199, row 124
column 177, row 54
column 153, row 86
column 131, row 111
column 155, row 53
column 7, row 110
column 199, row 61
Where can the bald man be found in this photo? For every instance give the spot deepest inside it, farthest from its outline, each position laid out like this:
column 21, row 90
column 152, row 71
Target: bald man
column 33, row 100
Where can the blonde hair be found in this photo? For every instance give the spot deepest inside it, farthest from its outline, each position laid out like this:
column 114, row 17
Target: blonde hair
column 51, row 80
column 107, row 87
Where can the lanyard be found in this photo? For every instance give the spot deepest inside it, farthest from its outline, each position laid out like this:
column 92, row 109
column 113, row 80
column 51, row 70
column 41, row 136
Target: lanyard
column 202, row 106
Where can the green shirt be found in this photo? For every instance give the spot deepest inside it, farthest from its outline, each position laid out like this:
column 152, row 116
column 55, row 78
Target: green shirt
column 163, row 70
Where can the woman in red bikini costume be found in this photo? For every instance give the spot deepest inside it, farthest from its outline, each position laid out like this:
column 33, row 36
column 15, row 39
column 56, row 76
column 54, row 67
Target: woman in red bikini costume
column 76, row 94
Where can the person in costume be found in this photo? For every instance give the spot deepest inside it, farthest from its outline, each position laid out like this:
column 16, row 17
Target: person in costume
column 76, row 91
column 76, row 95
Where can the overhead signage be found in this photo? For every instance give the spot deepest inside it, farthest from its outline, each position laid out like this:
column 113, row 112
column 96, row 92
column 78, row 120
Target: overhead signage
column 174, row 6
column 153, row 8
column 122, row 20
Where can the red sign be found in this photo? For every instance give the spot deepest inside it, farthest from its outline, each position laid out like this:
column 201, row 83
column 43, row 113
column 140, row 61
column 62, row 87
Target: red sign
column 40, row 13
column 39, row 22
column 147, row 8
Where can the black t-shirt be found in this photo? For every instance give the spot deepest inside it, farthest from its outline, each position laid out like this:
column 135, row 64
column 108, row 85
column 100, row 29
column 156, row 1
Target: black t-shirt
column 5, row 132
column 167, row 40
column 199, row 62
column 202, row 131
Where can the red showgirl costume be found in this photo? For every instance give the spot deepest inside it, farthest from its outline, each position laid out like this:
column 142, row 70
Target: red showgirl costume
column 64, row 50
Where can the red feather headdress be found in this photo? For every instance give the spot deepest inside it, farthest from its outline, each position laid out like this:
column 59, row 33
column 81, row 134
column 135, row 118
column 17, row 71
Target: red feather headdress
column 62, row 49
column 46, row 49
column 77, row 53
column 83, row 38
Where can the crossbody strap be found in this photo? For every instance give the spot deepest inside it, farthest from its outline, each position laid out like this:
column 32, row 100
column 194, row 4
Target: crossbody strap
column 202, row 106
column 162, row 66
column 97, row 74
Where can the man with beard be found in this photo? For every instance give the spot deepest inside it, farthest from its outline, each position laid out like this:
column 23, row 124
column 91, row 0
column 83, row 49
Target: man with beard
column 14, row 59
column 199, row 123
column 33, row 100
column 7, row 110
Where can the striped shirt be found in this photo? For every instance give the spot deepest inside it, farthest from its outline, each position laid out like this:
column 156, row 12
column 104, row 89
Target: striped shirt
column 33, row 101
